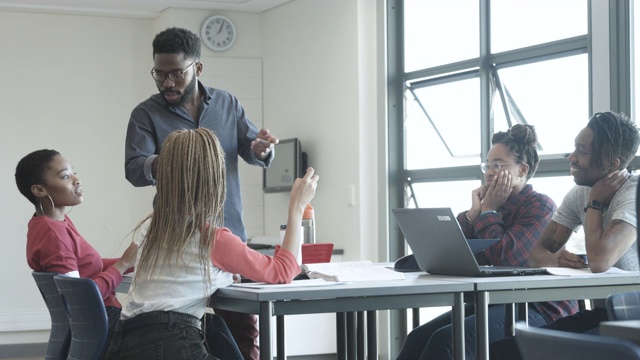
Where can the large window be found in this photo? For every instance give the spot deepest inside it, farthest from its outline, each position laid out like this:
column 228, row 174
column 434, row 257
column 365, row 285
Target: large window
column 537, row 73
column 462, row 70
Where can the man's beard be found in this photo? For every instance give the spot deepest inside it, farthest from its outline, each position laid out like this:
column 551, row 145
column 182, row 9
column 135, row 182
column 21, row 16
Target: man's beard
column 186, row 94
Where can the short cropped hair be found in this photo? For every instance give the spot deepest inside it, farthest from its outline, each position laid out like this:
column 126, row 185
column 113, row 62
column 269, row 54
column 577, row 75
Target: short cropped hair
column 31, row 169
column 177, row 41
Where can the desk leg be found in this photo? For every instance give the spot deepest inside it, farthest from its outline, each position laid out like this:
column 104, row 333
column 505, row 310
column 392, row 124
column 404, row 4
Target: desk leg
column 341, row 335
column 523, row 313
column 482, row 325
column 360, row 335
column 415, row 315
column 372, row 335
column 509, row 320
column 457, row 320
column 280, row 338
column 351, row 335
column 265, row 330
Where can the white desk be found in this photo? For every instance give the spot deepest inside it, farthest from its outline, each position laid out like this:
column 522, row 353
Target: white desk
column 418, row 290
column 537, row 288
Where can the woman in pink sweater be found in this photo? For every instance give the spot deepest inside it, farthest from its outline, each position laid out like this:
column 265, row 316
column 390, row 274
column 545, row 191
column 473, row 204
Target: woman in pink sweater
column 185, row 253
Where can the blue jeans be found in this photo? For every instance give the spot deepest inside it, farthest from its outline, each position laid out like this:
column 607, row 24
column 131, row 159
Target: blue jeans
column 433, row 339
column 586, row 321
column 162, row 340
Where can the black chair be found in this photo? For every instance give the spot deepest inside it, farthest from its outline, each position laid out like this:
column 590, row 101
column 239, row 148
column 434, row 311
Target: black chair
column 87, row 316
column 60, row 336
column 624, row 306
column 544, row 344
column 221, row 343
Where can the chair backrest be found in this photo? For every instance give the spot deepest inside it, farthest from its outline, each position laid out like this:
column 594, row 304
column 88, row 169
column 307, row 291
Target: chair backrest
column 316, row 253
column 544, row 344
column 87, row 316
column 624, row 306
column 221, row 343
column 60, row 335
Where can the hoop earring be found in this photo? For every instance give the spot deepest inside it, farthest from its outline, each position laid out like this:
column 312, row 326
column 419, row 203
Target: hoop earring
column 41, row 209
column 53, row 206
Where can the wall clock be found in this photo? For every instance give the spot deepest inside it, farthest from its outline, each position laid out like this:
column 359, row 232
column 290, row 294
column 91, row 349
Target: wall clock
column 218, row 33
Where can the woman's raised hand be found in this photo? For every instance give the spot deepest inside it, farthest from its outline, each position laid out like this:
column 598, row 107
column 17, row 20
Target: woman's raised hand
column 303, row 190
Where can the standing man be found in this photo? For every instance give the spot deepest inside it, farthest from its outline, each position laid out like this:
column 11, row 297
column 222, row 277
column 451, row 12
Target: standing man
column 603, row 202
column 183, row 102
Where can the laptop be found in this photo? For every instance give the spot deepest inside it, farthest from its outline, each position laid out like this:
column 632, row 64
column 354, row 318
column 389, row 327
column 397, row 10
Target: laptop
column 440, row 247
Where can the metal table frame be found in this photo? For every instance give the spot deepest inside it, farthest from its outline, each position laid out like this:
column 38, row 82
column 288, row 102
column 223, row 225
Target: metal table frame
column 349, row 302
column 541, row 288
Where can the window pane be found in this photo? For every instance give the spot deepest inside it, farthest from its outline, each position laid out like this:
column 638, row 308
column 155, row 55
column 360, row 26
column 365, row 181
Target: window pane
column 552, row 96
column 521, row 23
column 453, row 194
column 454, row 109
column 437, row 32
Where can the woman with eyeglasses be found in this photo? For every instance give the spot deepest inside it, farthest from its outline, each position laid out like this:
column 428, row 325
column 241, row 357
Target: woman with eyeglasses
column 507, row 208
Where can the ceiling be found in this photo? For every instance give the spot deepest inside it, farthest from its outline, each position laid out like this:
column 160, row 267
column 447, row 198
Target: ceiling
column 133, row 8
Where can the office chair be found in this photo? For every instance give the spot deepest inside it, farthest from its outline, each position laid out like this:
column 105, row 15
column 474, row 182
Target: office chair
column 624, row 306
column 220, row 342
column 87, row 316
column 544, row 344
column 60, row 336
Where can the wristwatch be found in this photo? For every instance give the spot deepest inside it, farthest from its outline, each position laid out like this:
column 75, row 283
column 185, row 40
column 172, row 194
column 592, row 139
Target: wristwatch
column 595, row 204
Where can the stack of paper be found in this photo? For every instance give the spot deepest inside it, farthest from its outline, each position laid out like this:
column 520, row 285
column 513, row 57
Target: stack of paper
column 350, row 271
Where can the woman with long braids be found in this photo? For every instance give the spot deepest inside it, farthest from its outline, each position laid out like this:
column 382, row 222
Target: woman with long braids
column 507, row 208
column 185, row 254
column 54, row 244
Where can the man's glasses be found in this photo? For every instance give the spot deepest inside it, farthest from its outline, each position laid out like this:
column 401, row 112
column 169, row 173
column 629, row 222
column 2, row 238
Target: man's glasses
column 175, row 75
column 495, row 166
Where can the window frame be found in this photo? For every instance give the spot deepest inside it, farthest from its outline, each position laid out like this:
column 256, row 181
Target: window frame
column 617, row 95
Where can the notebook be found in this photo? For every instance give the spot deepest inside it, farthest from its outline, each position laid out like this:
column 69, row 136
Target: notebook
column 440, row 247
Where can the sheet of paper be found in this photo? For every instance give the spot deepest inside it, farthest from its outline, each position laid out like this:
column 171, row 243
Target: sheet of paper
column 564, row 271
column 351, row 271
column 294, row 283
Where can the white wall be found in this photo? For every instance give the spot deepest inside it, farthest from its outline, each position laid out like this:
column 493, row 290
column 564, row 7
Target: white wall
column 320, row 86
column 69, row 82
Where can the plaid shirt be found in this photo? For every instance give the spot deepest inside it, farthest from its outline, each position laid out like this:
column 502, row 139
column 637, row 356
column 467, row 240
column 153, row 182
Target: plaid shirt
column 518, row 223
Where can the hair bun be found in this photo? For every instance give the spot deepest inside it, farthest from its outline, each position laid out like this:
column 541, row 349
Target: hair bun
column 524, row 133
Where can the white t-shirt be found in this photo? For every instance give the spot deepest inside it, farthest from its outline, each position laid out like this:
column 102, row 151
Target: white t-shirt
column 622, row 207
column 179, row 288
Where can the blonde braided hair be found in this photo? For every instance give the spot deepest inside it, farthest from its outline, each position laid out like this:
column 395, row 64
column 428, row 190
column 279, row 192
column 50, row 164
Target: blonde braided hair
column 190, row 194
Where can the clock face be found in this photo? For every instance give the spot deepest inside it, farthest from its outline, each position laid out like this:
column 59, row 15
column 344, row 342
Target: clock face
column 218, row 33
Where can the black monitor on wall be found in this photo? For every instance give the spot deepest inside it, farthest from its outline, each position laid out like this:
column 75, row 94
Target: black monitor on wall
column 288, row 164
